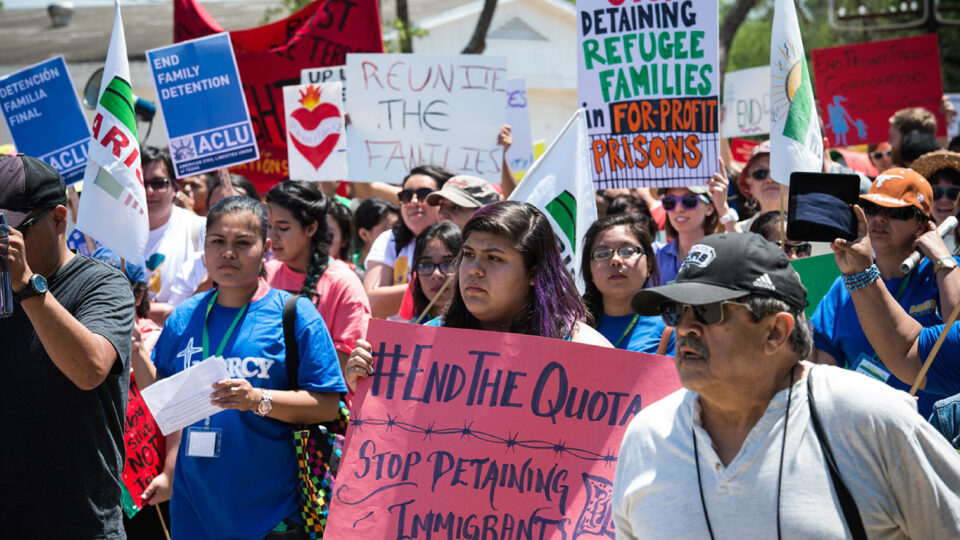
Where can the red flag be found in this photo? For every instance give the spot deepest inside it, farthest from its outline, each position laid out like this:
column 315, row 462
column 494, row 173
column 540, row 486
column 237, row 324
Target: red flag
column 271, row 57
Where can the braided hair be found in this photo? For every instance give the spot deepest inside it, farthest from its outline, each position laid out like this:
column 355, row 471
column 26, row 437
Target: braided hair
column 307, row 204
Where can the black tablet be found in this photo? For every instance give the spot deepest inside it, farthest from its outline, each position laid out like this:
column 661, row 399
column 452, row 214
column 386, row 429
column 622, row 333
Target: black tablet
column 820, row 207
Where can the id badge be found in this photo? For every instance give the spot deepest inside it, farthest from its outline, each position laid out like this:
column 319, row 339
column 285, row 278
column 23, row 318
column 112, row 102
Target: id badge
column 868, row 367
column 203, row 442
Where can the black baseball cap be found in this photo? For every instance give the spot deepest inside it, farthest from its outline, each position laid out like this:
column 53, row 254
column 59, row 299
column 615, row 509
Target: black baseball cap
column 27, row 183
column 727, row 266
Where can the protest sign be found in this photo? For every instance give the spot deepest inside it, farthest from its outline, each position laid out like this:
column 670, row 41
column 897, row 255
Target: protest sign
column 326, row 75
column 468, row 434
column 145, row 448
column 742, row 149
column 746, row 102
column 43, row 114
column 520, row 153
column 953, row 128
column 317, row 146
column 859, row 87
column 817, row 274
column 204, row 109
column 272, row 56
column 408, row 110
column 648, row 80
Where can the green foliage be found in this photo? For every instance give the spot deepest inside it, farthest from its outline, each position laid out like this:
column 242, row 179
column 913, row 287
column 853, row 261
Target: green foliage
column 405, row 35
column 288, row 6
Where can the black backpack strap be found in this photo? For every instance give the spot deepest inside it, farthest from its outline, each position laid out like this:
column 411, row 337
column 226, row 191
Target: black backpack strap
column 850, row 512
column 292, row 359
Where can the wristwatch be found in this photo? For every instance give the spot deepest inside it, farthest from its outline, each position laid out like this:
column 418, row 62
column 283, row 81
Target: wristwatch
column 266, row 403
column 946, row 262
column 36, row 286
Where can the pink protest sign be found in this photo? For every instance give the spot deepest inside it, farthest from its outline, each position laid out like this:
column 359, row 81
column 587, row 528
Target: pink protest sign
column 472, row 434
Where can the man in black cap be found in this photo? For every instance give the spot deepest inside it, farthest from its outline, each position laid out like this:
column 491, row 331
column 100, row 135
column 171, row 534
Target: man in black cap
column 739, row 453
column 65, row 353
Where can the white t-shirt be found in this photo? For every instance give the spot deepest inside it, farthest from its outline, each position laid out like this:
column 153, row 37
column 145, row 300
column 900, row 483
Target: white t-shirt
column 384, row 251
column 169, row 247
column 903, row 475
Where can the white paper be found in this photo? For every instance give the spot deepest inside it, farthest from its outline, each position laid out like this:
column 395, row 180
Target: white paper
column 180, row 400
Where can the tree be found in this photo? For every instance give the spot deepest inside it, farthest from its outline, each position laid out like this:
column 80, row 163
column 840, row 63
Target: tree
column 478, row 42
column 728, row 29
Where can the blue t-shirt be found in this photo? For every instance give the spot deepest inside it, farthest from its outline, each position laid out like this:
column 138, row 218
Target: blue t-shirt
column 836, row 328
column 644, row 337
column 252, row 486
column 668, row 262
column 943, row 377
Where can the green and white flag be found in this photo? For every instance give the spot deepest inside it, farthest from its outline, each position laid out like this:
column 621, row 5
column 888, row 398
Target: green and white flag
column 113, row 208
column 796, row 144
column 560, row 184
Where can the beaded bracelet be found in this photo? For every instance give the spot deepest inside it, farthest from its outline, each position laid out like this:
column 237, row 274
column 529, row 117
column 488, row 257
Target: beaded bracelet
column 855, row 282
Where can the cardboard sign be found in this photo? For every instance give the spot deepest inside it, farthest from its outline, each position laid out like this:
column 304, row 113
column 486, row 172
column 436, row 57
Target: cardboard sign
column 272, row 56
column 649, row 82
column 408, row 110
column 468, row 434
column 860, row 86
column 43, row 114
column 326, row 75
column 204, row 109
column 520, row 153
column 145, row 446
column 317, row 146
column 746, row 102
column 742, row 149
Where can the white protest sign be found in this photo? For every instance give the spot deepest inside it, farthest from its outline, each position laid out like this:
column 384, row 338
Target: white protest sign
column 409, row 110
column 326, row 75
column 316, row 144
column 648, row 80
column 953, row 128
column 746, row 102
column 520, row 153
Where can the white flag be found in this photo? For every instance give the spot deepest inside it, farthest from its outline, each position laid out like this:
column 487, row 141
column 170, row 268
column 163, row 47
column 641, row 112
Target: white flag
column 560, row 184
column 113, row 208
column 795, row 141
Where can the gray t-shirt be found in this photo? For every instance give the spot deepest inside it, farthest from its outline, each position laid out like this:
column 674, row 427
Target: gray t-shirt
column 62, row 452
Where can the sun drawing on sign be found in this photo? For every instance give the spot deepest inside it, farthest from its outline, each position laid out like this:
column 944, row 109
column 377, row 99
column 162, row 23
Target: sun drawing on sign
column 791, row 96
column 315, row 127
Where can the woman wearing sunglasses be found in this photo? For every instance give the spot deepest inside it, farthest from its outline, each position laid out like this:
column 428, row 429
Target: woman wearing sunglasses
column 898, row 220
column 942, row 170
column 618, row 262
column 389, row 263
column 756, row 184
column 691, row 215
column 434, row 257
column 510, row 278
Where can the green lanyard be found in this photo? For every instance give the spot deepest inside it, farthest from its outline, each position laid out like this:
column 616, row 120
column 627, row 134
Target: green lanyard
column 233, row 325
column 627, row 331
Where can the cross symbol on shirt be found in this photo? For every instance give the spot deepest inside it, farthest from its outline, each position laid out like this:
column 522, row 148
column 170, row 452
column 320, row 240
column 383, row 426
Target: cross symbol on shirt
column 188, row 352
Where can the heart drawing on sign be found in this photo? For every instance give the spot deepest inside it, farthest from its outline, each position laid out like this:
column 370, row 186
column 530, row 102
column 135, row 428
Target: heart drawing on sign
column 315, row 127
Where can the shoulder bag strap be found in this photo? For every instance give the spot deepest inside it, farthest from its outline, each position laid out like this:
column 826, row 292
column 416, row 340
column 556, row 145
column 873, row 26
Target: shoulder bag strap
column 290, row 341
column 664, row 340
column 850, row 512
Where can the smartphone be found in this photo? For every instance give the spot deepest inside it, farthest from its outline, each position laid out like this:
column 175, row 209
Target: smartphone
column 820, row 207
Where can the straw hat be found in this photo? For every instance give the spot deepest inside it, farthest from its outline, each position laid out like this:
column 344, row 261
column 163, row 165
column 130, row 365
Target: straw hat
column 932, row 162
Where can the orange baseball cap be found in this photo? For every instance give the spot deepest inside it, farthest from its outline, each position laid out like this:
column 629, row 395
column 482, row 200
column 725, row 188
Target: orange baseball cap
column 898, row 187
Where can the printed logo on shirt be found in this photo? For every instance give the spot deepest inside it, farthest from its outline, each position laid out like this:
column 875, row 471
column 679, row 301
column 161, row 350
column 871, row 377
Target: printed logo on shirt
column 238, row 368
column 400, row 270
column 153, row 264
column 930, row 306
column 699, row 255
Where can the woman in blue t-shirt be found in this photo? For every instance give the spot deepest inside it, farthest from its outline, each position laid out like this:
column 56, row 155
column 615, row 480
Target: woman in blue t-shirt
column 618, row 262
column 236, row 471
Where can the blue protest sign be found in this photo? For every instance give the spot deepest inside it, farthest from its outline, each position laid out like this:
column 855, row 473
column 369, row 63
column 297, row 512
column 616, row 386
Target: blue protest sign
column 43, row 115
column 204, row 109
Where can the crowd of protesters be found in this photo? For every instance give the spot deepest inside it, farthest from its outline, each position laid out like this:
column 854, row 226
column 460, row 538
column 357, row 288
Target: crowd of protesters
column 446, row 250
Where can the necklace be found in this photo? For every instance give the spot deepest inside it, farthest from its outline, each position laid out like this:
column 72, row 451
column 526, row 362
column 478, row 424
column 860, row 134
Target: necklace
column 783, row 446
column 630, row 326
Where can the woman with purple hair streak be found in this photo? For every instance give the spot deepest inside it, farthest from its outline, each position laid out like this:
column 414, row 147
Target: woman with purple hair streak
column 510, row 278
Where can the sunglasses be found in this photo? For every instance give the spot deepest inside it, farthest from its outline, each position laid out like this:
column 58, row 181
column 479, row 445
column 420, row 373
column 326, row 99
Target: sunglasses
column 880, row 154
column 157, row 184
column 709, row 314
column 689, row 201
column 29, row 223
column 802, row 249
column 760, row 174
column 950, row 193
column 426, row 268
column 406, row 195
column 902, row 213
column 605, row 254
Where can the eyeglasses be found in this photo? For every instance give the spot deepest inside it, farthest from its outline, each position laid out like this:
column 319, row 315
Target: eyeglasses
column 689, row 201
column 760, row 174
column 709, row 314
column 880, row 154
column 29, row 223
column 802, row 249
column 625, row 252
column 950, row 193
column 900, row 213
column 157, row 184
column 406, row 195
column 426, row 268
